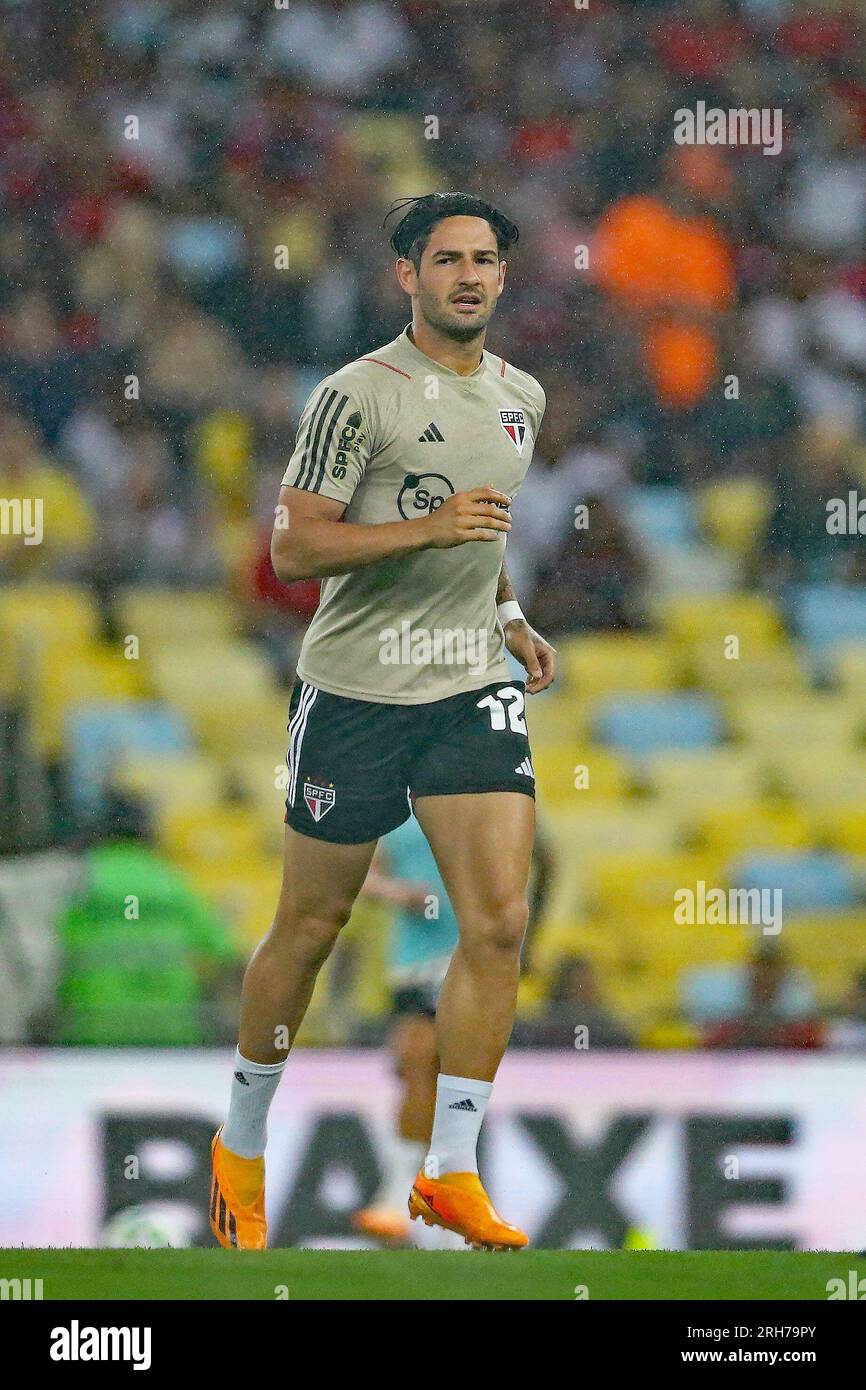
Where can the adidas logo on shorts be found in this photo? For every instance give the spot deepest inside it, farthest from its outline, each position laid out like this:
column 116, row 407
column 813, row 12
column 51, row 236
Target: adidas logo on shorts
column 526, row 768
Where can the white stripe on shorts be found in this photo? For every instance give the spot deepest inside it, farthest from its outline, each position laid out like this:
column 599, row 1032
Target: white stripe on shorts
column 296, row 735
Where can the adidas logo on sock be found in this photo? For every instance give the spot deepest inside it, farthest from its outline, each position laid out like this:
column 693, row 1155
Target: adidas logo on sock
column 463, row 1105
column 431, row 435
column 239, row 1076
column 526, row 768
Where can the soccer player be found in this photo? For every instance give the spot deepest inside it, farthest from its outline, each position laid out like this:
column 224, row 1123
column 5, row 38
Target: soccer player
column 397, row 495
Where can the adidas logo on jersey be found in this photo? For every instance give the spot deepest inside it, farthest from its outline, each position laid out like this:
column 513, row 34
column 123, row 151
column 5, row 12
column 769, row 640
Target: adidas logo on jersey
column 526, row 768
column 431, row 435
column 463, row 1105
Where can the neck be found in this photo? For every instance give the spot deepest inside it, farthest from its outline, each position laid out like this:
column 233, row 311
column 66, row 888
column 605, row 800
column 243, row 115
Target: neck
column 462, row 358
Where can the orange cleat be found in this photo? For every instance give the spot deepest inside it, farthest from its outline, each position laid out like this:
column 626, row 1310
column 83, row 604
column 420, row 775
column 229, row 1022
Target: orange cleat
column 237, row 1200
column 383, row 1223
column 458, row 1202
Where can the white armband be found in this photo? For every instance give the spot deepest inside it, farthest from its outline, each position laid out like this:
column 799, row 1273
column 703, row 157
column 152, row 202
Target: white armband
column 508, row 612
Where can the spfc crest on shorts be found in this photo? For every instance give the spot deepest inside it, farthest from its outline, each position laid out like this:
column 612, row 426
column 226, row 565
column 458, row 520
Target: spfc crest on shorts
column 514, row 424
column 319, row 799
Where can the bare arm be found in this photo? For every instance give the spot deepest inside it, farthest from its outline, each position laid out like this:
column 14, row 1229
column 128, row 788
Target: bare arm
column 530, row 648
column 310, row 540
column 504, row 590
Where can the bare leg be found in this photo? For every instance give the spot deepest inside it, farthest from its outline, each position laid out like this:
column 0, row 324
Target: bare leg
column 320, row 884
column 483, row 846
column 413, row 1045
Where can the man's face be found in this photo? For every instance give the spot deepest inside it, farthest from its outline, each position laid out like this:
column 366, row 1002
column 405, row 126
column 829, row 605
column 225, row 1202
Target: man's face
column 460, row 278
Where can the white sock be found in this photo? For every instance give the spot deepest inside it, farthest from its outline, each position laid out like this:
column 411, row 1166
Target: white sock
column 403, row 1158
column 245, row 1132
column 460, row 1105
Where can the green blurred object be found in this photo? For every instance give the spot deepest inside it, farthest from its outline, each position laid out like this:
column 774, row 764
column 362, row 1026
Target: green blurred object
column 136, row 946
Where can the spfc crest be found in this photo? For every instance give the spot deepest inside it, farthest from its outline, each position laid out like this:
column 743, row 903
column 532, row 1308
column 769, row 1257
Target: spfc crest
column 319, row 799
column 514, row 424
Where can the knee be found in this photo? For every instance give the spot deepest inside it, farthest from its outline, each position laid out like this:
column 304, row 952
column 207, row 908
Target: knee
column 496, row 933
column 310, row 933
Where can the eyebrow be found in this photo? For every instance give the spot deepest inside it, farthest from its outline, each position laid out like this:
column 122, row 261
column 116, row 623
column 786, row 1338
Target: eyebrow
column 487, row 251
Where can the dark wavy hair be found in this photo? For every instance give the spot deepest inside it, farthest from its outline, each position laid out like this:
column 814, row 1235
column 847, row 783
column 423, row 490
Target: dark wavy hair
column 412, row 232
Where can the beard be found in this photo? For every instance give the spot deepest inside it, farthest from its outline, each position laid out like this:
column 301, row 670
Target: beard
column 447, row 321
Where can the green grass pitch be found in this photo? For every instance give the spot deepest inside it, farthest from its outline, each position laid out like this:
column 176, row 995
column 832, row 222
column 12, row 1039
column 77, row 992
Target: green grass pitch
column 429, row 1275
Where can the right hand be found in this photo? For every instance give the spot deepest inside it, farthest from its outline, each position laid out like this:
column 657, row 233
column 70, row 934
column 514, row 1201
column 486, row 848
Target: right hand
column 478, row 515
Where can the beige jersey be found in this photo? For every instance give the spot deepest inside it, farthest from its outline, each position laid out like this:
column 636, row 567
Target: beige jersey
column 392, row 435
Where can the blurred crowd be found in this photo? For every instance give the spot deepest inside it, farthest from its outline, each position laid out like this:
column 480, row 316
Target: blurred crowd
column 192, row 194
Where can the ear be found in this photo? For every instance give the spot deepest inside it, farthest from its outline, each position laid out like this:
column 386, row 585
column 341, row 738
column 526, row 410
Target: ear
column 407, row 276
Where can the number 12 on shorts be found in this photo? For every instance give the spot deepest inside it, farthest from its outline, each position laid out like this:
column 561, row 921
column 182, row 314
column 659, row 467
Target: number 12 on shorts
column 506, row 709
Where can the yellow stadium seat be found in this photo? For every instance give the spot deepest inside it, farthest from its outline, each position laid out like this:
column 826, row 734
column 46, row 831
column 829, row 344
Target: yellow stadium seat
column 632, row 827
column 795, row 721
column 577, row 834
column 206, row 674
column 848, row 665
column 714, row 616
column 755, row 667
column 640, row 999
column 222, row 454
column 373, row 136
column 213, row 835
column 830, row 948
column 734, row 513
column 824, row 776
column 260, row 777
column 246, row 896
column 557, row 941
column 566, row 774
column 665, row 948
column 157, row 616
column 618, row 663
column 94, row 673
column 623, row 885
column 170, row 781
column 733, row 830
column 249, row 724
column 725, row 776
column 57, row 614
column 398, row 180
column 555, row 717
column 841, row 827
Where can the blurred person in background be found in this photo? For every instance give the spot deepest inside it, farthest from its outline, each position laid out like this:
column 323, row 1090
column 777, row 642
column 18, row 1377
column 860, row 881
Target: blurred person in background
column 574, row 1002
column 846, row 1020
column 765, row 1021
column 61, row 521
column 799, row 544
column 592, row 578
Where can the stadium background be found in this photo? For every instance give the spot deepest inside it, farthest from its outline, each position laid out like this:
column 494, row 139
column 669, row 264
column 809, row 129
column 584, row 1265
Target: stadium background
column 171, row 288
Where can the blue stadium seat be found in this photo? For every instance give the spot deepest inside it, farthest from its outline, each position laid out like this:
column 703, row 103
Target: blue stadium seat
column 828, row 613
column 662, row 515
column 640, row 724
column 710, row 993
column 809, row 882
column 96, row 734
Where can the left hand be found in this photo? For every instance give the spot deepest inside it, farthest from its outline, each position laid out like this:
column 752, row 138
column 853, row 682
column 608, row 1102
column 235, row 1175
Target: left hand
column 531, row 650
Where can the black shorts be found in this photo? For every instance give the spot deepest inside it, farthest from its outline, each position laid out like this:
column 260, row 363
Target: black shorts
column 410, row 1000
column 354, row 764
